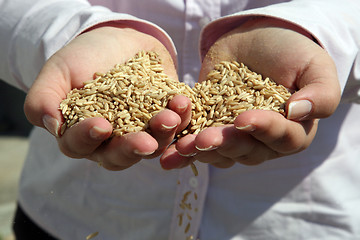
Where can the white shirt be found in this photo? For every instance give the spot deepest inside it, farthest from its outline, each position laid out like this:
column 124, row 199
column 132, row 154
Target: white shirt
column 311, row 195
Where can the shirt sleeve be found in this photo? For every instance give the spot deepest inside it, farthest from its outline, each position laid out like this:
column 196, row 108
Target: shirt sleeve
column 334, row 24
column 32, row 31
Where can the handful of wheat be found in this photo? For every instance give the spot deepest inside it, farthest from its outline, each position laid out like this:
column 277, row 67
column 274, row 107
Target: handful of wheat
column 130, row 94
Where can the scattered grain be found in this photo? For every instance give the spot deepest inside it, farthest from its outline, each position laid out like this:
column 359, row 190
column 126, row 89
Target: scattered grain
column 194, row 169
column 187, row 228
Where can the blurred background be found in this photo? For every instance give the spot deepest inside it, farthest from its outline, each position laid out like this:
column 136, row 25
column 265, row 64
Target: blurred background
column 14, row 132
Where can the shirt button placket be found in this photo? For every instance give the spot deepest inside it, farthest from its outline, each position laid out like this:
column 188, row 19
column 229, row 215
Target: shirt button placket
column 189, row 202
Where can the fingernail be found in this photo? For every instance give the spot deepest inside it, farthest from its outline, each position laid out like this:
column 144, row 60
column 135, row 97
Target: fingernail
column 136, row 151
column 299, row 109
column 51, row 124
column 206, row 149
column 181, row 109
column 97, row 133
column 187, row 155
column 168, row 127
column 247, row 128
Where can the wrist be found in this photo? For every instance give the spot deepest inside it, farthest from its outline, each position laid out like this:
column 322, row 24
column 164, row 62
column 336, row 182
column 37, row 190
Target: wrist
column 264, row 22
column 217, row 29
column 144, row 27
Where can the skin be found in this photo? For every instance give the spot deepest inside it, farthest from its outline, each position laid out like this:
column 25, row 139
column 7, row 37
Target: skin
column 263, row 44
column 290, row 58
column 97, row 51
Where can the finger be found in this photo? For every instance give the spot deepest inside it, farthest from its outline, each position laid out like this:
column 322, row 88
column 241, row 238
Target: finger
column 122, row 152
column 225, row 163
column 186, row 145
column 163, row 127
column 224, row 139
column 43, row 99
column 171, row 159
column 83, row 138
column 234, row 143
column 210, row 157
column 220, row 146
column 275, row 131
column 182, row 106
column 257, row 157
column 214, row 158
column 319, row 93
column 258, row 153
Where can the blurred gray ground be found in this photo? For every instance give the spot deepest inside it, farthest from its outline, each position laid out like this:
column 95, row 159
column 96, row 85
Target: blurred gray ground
column 14, row 130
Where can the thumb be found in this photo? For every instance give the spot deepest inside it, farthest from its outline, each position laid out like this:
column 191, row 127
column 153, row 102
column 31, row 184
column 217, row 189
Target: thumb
column 319, row 91
column 42, row 102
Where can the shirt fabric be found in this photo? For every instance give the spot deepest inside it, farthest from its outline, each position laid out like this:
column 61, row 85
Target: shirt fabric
column 310, row 195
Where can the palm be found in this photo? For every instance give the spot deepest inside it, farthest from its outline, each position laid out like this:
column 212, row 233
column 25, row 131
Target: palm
column 98, row 51
column 289, row 58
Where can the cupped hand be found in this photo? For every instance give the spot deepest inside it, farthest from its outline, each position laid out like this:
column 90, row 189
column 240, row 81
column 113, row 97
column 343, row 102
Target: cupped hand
column 99, row 50
column 288, row 56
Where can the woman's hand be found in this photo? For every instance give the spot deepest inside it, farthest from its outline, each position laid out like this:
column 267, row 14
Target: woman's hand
column 99, row 50
column 290, row 58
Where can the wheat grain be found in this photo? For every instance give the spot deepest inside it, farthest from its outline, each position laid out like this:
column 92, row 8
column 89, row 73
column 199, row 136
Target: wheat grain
column 92, row 235
column 130, row 94
column 230, row 89
column 194, row 169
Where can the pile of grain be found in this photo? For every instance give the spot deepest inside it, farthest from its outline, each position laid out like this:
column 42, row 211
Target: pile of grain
column 230, row 89
column 130, row 94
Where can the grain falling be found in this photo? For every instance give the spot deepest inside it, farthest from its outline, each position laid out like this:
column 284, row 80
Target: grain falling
column 194, row 169
column 92, row 235
column 187, row 228
column 130, row 94
column 180, row 216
